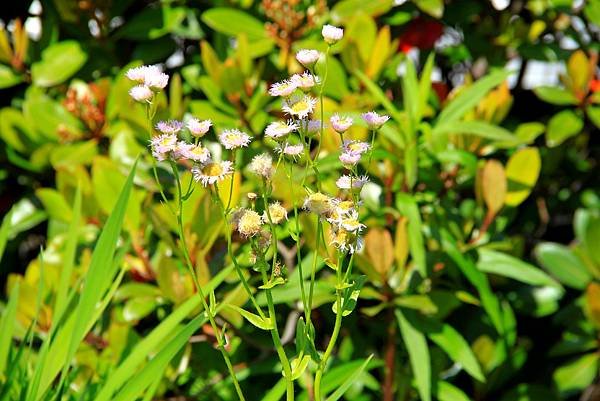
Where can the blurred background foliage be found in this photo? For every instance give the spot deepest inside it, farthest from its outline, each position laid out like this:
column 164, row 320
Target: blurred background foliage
column 482, row 253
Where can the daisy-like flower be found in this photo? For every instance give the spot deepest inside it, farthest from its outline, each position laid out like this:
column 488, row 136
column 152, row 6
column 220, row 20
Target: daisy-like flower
column 346, row 241
column 149, row 75
column 350, row 159
column 340, row 124
column 163, row 145
column 212, row 172
column 198, row 128
column 234, row 138
column 249, row 223
column 284, row 88
column 169, row 127
column 318, row 203
column 141, row 93
column 351, row 224
column 304, row 81
column 197, row 153
column 280, row 129
column 300, row 108
column 308, row 57
column 277, row 213
column 181, row 149
column 292, row 151
column 332, row 34
column 262, row 165
column 374, row 120
column 355, row 147
column 354, row 183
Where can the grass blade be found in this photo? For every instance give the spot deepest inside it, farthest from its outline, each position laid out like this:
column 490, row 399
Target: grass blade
column 418, row 353
column 7, row 327
column 341, row 390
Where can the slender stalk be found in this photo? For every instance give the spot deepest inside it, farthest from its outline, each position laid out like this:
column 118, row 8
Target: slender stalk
column 237, row 267
column 334, row 335
column 298, row 250
column 314, row 266
column 287, row 370
column 190, row 267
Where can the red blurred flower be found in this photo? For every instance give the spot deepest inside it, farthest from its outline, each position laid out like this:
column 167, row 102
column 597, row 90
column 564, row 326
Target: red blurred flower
column 420, row 33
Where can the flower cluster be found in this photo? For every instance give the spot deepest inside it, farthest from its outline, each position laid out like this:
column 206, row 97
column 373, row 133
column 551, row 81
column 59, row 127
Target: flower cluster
column 150, row 80
column 171, row 145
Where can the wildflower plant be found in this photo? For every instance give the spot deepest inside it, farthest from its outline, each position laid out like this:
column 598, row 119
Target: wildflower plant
column 297, row 144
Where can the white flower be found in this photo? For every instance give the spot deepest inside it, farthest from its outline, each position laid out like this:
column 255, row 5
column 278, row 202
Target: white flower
column 277, row 213
column 318, row 203
column 262, row 165
column 292, row 151
column 249, row 223
column 181, row 149
column 198, row 128
column 169, row 127
column 280, row 129
column 304, row 81
column 348, row 182
column 340, row 124
column 162, row 145
column 351, row 146
column 149, row 75
column 212, row 172
column 346, row 241
column 197, row 153
column 300, row 108
column 234, row 138
column 307, row 57
column 374, row 120
column 141, row 93
column 332, row 34
column 350, row 159
column 284, row 88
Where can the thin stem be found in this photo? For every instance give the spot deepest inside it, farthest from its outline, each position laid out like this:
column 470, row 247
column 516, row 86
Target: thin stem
column 298, row 250
column 314, row 266
column 275, row 331
column 237, row 267
column 334, row 335
column 190, row 267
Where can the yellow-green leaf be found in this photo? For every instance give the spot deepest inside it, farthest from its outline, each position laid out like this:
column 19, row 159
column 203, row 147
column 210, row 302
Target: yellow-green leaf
column 380, row 249
column 493, row 185
column 522, row 172
column 578, row 68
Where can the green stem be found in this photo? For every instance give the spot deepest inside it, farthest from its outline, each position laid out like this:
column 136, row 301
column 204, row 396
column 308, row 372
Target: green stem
column 287, row 369
column 298, row 250
column 190, row 267
column 314, row 266
column 237, row 267
column 334, row 335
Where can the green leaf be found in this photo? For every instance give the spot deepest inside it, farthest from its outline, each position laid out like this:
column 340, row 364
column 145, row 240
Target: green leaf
column 298, row 366
column 530, row 392
column 477, row 279
column 378, row 94
column 55, row 204
column 562, row 126
column 457, row 348
column 575, row 376
column 346, row 9
column 4, row 233
column 59, row 62
column 272, row 283
column 469, row 98
column 593, row 114
column 499, row 263
column 154, row 369
column 522, row 172
column 418, row 353
column 435, row 8
column 232, row 22
column 341, row 390
column 257, row 321
column 563, row 264
column 481, row 129
column 7, row 327
column 555, row 95
column 350, row 296
column 408, row 207
column 138, row 308
column 447, row 392
column 152, row 23
column 8, row 77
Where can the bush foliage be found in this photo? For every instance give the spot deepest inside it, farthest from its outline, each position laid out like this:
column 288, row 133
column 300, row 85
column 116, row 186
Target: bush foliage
column 479, row 274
